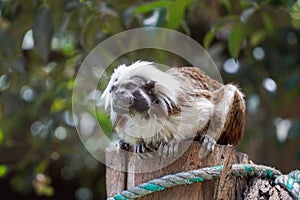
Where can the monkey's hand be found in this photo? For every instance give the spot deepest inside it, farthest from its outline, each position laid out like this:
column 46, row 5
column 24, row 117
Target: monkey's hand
column 206, row 142
column 124, row 146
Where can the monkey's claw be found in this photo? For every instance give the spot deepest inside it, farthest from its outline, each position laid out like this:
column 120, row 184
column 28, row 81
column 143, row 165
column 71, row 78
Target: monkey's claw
column 168, row 150
column 207, row 144
column 124, row 146
column 143, row 151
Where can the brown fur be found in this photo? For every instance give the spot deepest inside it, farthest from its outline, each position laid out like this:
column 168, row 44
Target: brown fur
column 233, row 129
column 234, row 125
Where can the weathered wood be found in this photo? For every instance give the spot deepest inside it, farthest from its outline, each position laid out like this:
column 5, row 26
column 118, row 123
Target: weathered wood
column 191, row 159
column 262, row 189
column 225, row 187
column 115, row 177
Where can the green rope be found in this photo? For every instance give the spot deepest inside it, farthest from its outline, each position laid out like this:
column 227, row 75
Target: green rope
column 292, row 182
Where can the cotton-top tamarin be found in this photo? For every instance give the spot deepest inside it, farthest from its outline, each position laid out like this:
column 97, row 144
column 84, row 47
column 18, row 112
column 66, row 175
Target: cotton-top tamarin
column 151, row 108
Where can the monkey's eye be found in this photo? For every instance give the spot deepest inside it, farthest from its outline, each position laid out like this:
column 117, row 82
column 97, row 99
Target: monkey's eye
column 112, row 89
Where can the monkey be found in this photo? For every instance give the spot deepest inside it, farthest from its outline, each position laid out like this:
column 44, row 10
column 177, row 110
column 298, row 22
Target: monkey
column 151, row 108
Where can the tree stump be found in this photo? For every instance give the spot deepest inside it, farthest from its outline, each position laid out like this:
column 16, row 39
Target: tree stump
column 225, row 187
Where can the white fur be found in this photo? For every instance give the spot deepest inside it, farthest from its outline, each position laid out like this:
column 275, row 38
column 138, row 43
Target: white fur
column 161, row 127
column 167, row 84
column 176, row 127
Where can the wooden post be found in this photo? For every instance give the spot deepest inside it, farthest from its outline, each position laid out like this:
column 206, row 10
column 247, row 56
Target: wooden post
column 225, row 187
column 222, row 155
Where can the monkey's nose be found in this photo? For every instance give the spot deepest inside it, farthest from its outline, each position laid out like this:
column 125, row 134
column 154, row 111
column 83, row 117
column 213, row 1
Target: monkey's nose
column 121, row 102
column 123, row 99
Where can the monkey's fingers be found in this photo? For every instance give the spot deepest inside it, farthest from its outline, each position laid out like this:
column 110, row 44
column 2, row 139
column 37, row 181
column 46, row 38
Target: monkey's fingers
column 168, row 150
column 206, row 143
column 124, row 146
column 144, row 151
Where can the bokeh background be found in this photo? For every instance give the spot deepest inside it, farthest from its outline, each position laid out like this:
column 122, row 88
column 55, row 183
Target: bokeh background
column 256, row 44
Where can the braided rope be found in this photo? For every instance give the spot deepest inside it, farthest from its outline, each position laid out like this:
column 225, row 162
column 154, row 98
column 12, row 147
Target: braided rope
column 290, row 182
column 203, row 174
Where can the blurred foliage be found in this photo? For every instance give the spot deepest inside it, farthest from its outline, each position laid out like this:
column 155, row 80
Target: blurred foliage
column 43, row 42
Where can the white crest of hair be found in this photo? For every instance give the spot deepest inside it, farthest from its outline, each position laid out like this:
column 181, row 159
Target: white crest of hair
column 106, row 96
column 166, row 85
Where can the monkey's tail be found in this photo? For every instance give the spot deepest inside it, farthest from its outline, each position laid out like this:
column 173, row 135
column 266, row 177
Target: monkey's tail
column 235, row 121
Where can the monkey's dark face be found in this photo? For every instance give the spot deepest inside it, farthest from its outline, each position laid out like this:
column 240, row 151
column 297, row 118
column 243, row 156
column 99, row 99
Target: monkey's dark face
column 133, row 96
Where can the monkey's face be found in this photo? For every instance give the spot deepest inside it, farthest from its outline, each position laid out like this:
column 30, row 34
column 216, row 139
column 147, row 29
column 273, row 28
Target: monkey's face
column 132, row 96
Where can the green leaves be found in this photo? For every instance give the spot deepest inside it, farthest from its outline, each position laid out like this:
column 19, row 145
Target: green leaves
column 237, row 25
column 294, row 13
column 149, row 7
column 104, row 122
column 208, row 38
column 269, row 24
column 58, row 105
column 3, row 170
column 175, row 11
column 41, row 185
column 80, row 25
column 257, row 37
column 1, row 136
column 236, row 39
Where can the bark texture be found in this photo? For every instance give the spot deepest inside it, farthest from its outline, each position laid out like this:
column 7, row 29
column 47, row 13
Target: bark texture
column 225, row 187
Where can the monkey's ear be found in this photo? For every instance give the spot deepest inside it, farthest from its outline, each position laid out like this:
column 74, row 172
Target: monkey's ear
column 149, row 87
